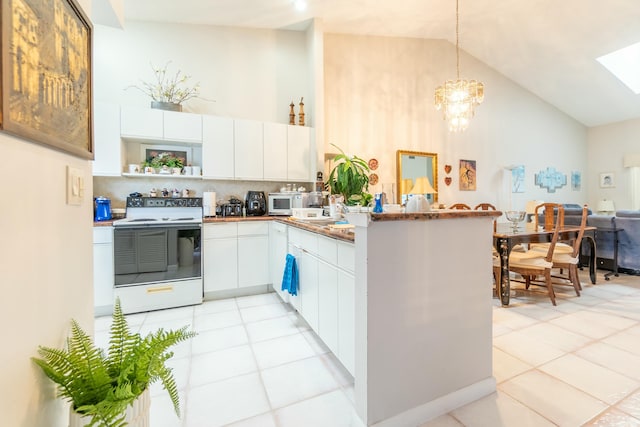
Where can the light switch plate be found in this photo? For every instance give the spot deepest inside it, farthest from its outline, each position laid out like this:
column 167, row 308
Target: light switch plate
column 75, row 186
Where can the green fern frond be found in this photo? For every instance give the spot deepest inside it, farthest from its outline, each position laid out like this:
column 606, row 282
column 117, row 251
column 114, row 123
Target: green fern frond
column 102, row 386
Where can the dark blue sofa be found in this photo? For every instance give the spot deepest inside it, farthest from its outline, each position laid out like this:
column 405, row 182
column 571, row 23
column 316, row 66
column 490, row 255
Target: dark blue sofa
column 629, row 240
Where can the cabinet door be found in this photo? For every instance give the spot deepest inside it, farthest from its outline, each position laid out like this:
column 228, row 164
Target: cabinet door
column 275, row 152
column 182, row 127
column 253, row 261
column 107, row 142
column 299, row 154
column 328, row 305
column 346, row 320
column 308, row 273
column 220, row 264
column 143, row 123
column 217, row 147
column 278, row 256
column 103, row 276
column 248, row 149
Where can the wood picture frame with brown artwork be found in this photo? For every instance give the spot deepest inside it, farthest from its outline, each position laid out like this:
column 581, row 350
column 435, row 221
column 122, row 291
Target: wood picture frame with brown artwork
column 46, row 74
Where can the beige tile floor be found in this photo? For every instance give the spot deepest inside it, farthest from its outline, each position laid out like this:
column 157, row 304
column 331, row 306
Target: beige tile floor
column 256, row 364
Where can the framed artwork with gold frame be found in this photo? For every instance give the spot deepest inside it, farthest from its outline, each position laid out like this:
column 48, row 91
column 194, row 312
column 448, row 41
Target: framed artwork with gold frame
column 467, row 175
column 45, row 74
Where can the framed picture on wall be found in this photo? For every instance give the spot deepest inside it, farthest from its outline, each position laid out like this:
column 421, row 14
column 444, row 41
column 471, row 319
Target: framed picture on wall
column 607, row 180
column 467, row 175
column 576, row 181
column 45, row 89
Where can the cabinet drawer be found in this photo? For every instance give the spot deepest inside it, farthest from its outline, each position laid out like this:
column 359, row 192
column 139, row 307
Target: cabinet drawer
column 304, row 239
column 328, row 249
column 217, row 231
column 102, row 234
column 253, row 228
column 346, row 256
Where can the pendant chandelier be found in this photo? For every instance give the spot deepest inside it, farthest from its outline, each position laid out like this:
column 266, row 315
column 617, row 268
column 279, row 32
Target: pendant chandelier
column 458, row 97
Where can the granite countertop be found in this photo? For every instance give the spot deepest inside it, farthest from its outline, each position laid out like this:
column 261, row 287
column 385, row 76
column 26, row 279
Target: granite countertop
column 434, row 214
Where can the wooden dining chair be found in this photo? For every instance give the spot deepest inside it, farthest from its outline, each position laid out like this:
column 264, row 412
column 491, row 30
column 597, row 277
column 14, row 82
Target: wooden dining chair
column 532, row 264
column 566, row 257
column 485, row 207
column 549, row 210
column 460, row 206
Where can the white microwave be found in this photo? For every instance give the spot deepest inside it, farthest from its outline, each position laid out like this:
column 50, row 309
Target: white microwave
column 283, row 203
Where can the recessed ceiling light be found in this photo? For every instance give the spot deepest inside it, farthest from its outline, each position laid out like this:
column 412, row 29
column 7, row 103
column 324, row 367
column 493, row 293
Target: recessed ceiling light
column 300, row 5
column 625, row 65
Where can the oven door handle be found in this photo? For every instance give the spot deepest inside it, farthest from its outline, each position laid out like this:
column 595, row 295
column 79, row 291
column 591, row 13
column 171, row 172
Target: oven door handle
column 160, row 289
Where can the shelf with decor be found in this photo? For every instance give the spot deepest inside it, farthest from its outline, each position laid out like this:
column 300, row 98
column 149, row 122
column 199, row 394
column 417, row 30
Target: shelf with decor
column 159, row 175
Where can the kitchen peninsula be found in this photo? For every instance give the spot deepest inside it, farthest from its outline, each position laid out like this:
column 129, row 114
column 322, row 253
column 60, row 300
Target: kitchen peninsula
column 423, row 307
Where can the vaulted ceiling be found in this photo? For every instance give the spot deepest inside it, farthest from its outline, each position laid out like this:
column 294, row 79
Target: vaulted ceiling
column 546, row 46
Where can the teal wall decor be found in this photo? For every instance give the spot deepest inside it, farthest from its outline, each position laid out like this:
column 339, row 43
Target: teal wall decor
column 550, row 179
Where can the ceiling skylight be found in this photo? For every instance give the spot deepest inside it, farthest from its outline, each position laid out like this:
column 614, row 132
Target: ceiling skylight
column 625, row 65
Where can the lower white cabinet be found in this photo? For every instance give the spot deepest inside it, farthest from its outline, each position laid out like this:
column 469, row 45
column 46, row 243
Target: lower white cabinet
column 278, row 256
column 253, row 254
column 103, row 277
column 326, row 290
column 235, row 255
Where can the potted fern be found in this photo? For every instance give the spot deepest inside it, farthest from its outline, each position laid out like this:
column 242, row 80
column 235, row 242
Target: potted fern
column 112, row 389
column 349, row 178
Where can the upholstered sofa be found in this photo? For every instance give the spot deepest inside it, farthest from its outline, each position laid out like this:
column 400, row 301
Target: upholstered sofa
column 628, row 222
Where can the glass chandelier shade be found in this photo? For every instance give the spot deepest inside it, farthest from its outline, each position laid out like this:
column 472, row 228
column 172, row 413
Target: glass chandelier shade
column 458, row 98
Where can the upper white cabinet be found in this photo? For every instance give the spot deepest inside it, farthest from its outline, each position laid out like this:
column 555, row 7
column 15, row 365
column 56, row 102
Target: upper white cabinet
column 217, row 148
column 300, row 164
column 107, row 143
column 248, row 149
column 185, row 127
column 275, row 152
column 159, row 125
column 145, row 123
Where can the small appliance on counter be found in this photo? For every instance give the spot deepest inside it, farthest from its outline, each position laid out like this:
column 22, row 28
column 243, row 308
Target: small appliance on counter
column 102, row 209
column 209, row 203
column 256, row 203
column 283, row 203
column 232, row 208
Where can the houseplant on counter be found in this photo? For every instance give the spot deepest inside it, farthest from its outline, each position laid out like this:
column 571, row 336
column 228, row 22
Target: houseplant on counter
column 168, row 92
column 349, row 178
column 165, row 163
column 112, row 390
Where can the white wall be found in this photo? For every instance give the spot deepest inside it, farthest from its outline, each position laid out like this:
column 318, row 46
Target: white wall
column 379, row 98
column 249, row 73
column 47, row 264
column 607, row 146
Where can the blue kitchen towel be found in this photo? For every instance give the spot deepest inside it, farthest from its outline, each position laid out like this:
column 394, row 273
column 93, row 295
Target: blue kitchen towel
column 290, row 276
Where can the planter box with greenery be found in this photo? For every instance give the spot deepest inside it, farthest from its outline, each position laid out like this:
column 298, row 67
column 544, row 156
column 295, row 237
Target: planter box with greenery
column 102, row 386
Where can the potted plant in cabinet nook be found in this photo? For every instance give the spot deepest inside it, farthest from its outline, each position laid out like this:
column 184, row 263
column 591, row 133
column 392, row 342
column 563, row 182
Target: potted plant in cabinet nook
column 112, row 389
column 164, row 163
column 350, row 179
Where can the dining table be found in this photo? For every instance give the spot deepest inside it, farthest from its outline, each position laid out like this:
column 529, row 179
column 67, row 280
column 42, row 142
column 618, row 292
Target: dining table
column 504, row 239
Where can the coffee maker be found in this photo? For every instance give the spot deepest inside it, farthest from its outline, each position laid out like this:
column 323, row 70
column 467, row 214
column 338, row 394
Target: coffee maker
column 256, row 203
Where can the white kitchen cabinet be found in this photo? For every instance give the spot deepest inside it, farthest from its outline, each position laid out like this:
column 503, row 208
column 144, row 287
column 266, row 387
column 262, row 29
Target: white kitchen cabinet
column 300, row 154
column 346, row 320
column 278, row 256
column 141, row 123
column 103, row 276
column 220, row 251
column 183, row 127
column 158, row 125
column 253, row 254
column 107, row 147
column 275, row 152
column 248, row 149
column 328, row 305
column 217, row 148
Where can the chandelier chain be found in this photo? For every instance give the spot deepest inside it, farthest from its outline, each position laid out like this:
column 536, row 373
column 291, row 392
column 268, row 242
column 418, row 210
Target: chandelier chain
column 457, row 41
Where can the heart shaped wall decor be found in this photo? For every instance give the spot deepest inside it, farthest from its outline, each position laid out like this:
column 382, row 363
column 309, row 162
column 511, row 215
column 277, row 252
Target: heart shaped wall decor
column 447, row 180
column 447, row 169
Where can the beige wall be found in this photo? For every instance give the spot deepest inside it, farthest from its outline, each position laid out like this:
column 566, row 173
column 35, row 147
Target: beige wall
column 379, row 98
column 46, row 263
column 608, row 145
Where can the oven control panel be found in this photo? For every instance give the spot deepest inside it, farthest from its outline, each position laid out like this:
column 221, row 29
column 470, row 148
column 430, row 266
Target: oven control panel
column 164, row 202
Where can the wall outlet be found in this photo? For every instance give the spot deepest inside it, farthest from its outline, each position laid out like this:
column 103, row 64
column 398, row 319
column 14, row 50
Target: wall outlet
column 75, row 186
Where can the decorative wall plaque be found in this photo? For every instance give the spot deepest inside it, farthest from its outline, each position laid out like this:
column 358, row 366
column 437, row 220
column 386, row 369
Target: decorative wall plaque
column 550, row 179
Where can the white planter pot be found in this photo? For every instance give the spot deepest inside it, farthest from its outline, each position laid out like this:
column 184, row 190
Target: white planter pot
column 137, row 415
